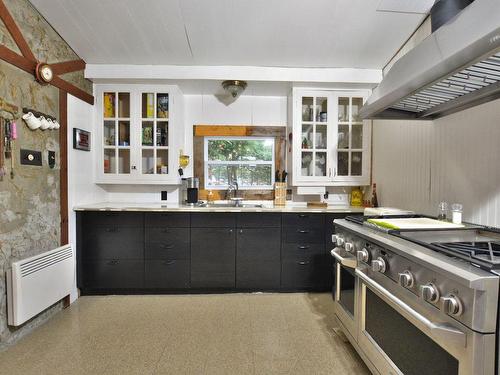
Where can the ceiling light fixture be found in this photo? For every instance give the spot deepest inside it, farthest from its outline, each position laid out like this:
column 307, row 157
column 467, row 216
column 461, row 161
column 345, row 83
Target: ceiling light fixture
column 234, row 87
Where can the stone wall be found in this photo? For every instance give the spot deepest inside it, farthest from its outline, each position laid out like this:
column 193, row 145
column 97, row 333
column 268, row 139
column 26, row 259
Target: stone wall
column 30, row 203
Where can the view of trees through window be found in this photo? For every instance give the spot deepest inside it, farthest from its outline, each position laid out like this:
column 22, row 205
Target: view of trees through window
column 249, row 161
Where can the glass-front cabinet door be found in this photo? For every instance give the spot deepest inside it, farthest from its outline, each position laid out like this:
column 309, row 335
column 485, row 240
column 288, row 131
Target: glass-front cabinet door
column 315, row 137
column 154, row 133
column 139, row 134
column 352, row 147
column 331, row 142
column 116, row 128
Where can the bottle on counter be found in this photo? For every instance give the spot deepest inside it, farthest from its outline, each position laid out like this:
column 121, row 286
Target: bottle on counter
column 374, row 196
column 456, row 213
column 356, row 197
column 442, row 211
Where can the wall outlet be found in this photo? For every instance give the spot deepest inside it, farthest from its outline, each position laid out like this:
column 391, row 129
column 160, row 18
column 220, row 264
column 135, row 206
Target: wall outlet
column 30, row 157
column 164, row 195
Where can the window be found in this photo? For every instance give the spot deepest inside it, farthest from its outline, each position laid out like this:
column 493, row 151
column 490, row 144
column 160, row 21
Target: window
column 249, row 161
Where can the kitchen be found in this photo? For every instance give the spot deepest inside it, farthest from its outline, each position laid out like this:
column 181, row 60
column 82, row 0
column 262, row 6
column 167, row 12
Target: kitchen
column 185, row 192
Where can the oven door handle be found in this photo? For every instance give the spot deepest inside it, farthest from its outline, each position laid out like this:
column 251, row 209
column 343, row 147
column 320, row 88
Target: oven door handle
column 443, row 331
column 350, row 262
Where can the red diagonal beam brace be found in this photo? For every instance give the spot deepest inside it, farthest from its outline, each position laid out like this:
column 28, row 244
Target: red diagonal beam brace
column 67, row 66
column 71, row 89
column 15, row 32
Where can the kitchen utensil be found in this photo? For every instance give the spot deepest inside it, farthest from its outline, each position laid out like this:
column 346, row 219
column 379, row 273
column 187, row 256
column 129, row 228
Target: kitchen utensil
column 317, row 204
column 414, row 223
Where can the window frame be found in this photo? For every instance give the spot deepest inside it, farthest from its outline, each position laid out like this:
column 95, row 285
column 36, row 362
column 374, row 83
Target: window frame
column 272, row 162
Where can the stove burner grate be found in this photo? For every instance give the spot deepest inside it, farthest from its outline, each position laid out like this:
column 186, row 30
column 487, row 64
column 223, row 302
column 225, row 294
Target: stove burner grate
column 488, row 251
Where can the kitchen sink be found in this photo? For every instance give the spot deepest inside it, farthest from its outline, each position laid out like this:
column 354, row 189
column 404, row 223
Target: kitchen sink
column 230, row 204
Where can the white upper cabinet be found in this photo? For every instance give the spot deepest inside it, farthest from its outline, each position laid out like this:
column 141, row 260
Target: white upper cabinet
column 140, row 133
column 331, row 144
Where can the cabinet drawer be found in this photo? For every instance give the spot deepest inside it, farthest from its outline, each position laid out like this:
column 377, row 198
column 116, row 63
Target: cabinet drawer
column 167, row 219
column 167, row 274
column 123, row 219
column 213, row 220
column 162, row 243
column 292, row 251
column 258, row 220
column 258, row 275
column 304, row 220
column 304, row 274
column 110, row 242
column 113, row 274
column 301, row 235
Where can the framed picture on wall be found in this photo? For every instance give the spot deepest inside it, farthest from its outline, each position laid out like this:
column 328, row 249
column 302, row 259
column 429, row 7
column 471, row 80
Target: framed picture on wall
column 81, row 139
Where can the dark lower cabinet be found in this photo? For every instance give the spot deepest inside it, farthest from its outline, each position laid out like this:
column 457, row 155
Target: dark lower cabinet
column 258, row 264
column 167, row 274
column 213, row 258
column 133, row 251
column 113, row 274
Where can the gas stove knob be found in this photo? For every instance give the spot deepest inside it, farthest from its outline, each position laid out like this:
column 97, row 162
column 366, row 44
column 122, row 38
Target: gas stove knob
column 406, row 279
column 452, row 305
column 378, row 265
column 363, row 256
column 429, row 293
column 334, row 238
column 349, row 247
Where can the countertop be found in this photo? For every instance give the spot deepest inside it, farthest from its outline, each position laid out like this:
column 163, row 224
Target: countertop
column 167, row 207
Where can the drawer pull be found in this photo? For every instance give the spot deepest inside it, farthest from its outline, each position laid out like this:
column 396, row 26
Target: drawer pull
column 303, row 247
column 112, row 230
column 113, row 262
column 303, row 215
column 303, row 231
column 303, row 263
column 168, row 262
column 167, row 246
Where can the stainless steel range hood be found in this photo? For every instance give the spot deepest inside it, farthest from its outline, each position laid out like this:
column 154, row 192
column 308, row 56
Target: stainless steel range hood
column 455, row 68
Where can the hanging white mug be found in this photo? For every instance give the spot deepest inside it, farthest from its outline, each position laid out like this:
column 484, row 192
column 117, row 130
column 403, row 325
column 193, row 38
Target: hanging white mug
column 51, row 124
column 56, row 124
column 31, row 120
column 45, row 124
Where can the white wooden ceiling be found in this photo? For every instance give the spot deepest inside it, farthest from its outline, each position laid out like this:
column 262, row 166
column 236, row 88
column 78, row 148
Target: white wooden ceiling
column 284, row 33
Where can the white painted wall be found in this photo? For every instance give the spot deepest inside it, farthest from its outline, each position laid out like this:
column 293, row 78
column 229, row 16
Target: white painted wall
column 417, row 164
column 81, row 186
column 208, row 109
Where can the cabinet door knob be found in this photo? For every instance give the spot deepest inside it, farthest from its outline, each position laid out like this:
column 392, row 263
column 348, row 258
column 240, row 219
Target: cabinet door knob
column 303, row 247
column 241, row 231
column 302, row 231
column 303, row 263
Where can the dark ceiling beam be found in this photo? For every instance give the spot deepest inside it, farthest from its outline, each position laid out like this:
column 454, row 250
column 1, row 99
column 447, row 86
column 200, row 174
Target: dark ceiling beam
column 11, row 26
column 71, row 89
column 13, row 58
column 67, row 66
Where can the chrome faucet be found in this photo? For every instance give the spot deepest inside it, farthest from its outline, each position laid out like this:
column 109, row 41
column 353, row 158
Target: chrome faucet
column 232, row 188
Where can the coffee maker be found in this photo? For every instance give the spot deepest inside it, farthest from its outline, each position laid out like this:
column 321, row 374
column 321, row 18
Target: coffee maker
column 190, row 188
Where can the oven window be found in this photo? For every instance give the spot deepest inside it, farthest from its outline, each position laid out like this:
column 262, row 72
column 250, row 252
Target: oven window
column 411, row 350
column 347, row 280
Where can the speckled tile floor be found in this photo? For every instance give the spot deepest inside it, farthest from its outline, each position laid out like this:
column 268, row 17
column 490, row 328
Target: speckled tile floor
column 188, row 334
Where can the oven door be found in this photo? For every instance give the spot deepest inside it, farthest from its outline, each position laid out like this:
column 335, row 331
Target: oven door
column 398, row 339
column 345, row 291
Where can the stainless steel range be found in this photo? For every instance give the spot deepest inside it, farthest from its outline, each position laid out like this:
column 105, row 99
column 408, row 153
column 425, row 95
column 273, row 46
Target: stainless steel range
column 419, row 302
